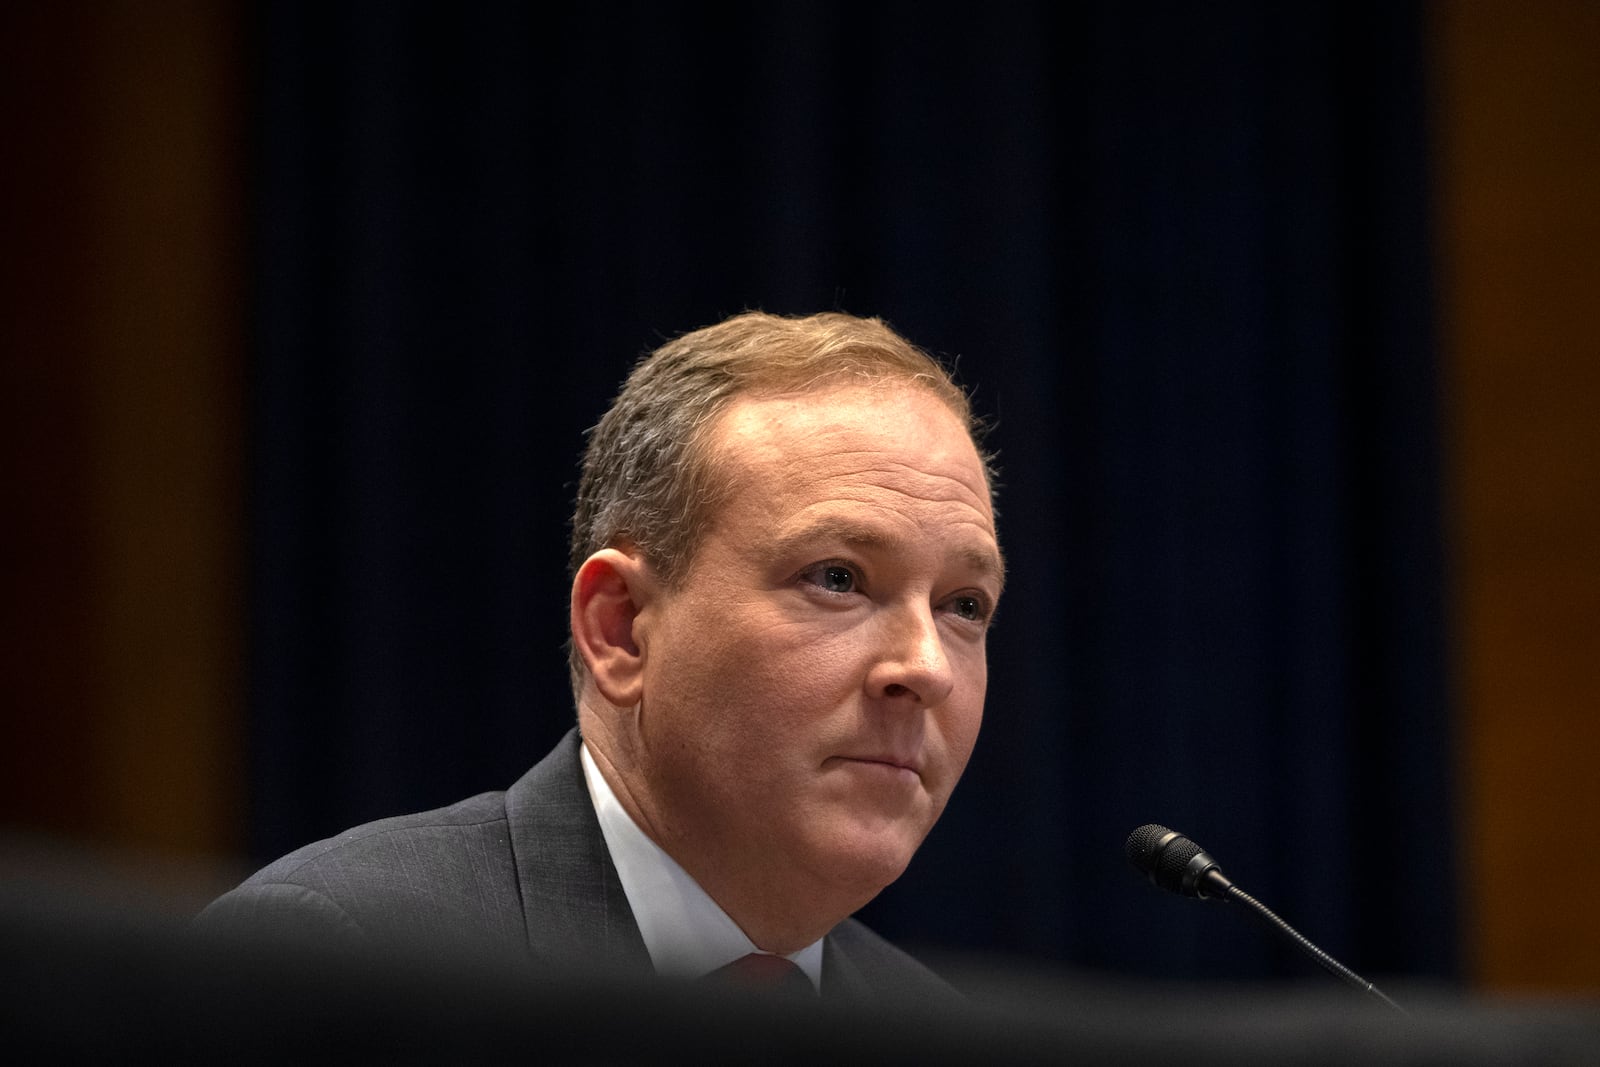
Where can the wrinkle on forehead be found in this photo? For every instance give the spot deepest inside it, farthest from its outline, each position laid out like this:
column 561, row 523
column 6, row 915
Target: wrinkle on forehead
column 877, row 472
column 900, row 495
column 869, row 429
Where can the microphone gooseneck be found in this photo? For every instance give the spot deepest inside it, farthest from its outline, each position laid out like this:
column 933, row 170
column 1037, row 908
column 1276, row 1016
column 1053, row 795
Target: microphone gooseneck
column 1178, row 865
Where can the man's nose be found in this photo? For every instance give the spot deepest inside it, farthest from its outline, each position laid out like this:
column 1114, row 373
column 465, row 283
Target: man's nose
column 911, row 662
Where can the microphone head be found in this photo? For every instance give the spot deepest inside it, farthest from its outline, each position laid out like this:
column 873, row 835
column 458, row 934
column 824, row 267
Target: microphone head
column 1147, row 845
column 1174, row 862
column 1144, row 841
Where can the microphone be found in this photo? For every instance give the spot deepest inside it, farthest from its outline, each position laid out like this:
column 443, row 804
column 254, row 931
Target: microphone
column 1175, row 863
column 1178, row 865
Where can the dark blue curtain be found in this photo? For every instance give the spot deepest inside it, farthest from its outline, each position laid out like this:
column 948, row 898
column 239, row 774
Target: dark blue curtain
column 1182, row 254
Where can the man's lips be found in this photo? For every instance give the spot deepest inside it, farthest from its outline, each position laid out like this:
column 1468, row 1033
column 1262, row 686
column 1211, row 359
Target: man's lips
column 889, row 760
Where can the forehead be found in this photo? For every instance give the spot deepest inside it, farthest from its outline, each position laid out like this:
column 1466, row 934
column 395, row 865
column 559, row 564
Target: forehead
column 893, row 447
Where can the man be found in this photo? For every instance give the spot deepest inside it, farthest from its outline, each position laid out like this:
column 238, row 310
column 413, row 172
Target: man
column 784, row 565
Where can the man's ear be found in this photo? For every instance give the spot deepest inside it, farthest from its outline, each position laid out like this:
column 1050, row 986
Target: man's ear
column 607, row 594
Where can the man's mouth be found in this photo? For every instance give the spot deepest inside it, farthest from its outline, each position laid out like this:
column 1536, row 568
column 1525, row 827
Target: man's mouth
column 888, row 763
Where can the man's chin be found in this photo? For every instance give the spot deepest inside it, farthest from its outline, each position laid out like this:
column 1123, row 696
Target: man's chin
column 867, row 862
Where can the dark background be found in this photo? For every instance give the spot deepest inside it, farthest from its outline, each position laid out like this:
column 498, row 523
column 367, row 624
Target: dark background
column 1277, row 311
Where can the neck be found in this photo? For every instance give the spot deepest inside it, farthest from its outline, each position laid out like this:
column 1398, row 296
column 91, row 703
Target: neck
column 779, row 907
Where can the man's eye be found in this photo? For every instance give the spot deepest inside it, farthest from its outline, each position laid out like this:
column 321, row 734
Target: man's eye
column 834, row 577
column 970, row 608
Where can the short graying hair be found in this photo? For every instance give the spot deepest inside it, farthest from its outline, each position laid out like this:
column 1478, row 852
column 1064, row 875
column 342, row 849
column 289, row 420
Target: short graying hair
column 650, row 480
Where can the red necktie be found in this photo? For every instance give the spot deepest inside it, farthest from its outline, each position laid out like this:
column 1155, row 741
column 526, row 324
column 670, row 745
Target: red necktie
column 761, row 971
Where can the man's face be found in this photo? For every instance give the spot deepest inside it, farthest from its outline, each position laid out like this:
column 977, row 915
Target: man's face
column 814, row 685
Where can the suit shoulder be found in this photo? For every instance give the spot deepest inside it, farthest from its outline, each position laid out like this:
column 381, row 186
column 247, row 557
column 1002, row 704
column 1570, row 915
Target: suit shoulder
column 445, row 873
column 375, row 846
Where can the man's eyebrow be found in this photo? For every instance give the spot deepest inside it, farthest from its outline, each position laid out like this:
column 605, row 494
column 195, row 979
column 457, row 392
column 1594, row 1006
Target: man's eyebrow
column 990, row 564
column 845, row 531
column 985, row 561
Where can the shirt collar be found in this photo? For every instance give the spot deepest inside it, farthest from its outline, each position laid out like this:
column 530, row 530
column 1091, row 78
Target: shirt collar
column 685, row 931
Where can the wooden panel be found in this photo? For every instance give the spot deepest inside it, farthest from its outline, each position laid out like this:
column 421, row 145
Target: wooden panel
column 127, row 459
column 43, row 426
column 1518, row 93
column 167, row 413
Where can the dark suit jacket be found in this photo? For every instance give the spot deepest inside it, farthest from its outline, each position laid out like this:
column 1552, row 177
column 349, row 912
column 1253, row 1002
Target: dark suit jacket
column 526, row 868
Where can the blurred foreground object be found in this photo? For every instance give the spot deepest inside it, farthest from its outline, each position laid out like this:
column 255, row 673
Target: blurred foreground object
column 93, row 982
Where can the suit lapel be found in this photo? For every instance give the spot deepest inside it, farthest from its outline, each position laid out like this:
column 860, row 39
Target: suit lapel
column 842, row 980
column 572, row 900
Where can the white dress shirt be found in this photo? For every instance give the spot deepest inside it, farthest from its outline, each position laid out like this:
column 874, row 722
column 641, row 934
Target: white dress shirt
column 686, row 933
